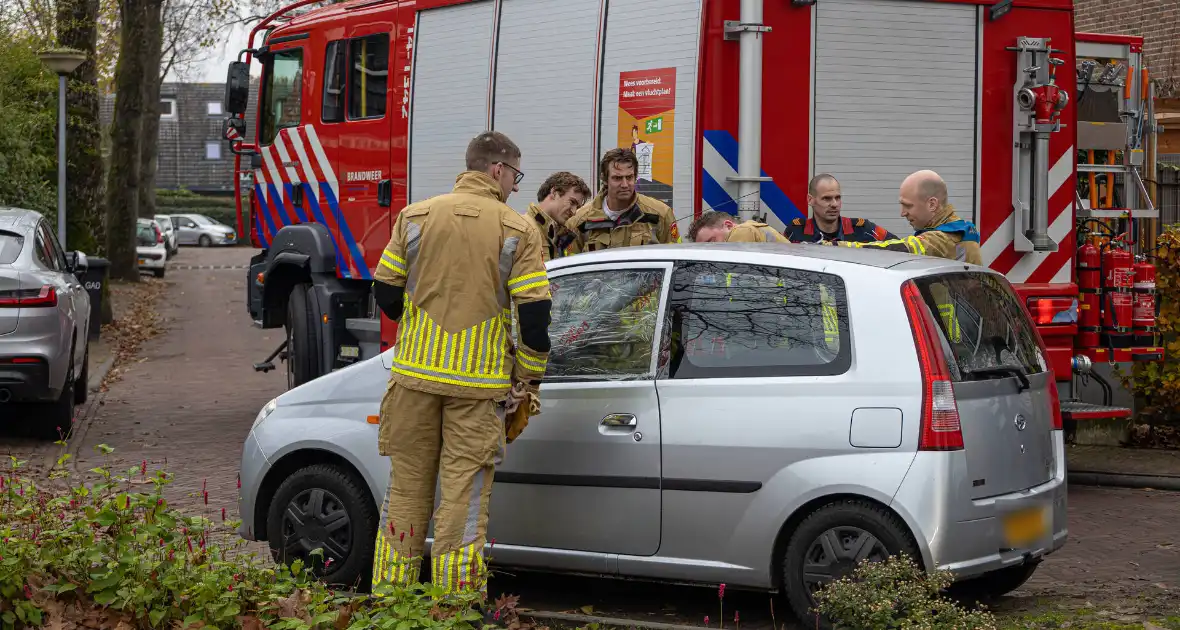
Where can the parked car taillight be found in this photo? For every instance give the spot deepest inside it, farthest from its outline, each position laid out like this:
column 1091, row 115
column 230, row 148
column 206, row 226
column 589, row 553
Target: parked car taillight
column 159, row 234
column 29, row 298
column 940, row 426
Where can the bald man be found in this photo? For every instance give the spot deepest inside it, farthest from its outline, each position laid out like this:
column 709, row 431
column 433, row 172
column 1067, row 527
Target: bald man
column 938, row 231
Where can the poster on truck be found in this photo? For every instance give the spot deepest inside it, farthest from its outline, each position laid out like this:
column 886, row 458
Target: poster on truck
column 647, row 120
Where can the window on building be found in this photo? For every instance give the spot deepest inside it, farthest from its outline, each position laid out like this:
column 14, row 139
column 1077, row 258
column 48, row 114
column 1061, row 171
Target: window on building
column 603, row 324
column 368, row 74
column 732, row 321
column 167, row 108
column 282, row 93
column 333, row 110
column 213, row 150
column 213, row 108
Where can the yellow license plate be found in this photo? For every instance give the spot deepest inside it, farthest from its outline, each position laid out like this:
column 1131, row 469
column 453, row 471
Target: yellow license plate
column 143, row 261
column 1026, row 526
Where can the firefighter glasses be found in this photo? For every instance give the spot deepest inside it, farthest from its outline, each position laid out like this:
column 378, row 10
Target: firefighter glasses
column 519, row 175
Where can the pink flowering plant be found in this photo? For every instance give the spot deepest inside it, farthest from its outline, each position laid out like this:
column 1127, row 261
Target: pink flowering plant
column 112, row 553
column 896, row 593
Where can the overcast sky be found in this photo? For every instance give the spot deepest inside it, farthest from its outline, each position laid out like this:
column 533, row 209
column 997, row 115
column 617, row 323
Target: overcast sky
column 212, row 70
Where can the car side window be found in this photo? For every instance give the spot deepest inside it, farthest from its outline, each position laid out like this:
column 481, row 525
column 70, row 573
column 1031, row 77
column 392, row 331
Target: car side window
column 45, row 250
column 603, row 324
column 731, row 321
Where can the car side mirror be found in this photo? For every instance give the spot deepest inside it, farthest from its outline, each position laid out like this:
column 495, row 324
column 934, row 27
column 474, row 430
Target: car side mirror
column 76, row 263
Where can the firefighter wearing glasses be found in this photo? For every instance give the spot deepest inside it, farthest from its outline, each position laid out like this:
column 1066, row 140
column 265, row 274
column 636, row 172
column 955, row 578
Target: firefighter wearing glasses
column 619, row 216
column 455, row 267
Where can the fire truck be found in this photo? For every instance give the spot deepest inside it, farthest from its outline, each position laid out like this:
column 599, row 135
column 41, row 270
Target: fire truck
column 367, row 105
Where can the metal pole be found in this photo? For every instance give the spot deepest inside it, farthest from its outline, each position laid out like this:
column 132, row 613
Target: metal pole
column 750, row 112
column 61, row 161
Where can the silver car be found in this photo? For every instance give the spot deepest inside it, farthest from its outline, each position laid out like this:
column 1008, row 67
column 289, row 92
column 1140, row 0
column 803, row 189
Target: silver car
column 759, row 415
column 44, row 321
column 198, row 229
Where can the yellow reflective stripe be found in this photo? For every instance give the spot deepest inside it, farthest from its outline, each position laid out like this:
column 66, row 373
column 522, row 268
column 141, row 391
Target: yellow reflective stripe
column 462, row 569
column 474, row 356
column 456, row 379
column 530, row 361
column 527, row 281
column 947, row 311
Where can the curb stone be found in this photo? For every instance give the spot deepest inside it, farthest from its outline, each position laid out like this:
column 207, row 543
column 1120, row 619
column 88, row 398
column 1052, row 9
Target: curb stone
column 1123, row 480
column 612, row 622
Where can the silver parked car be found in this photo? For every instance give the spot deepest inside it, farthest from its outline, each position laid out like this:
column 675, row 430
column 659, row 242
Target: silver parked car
column 759, row 415
column 198, row 229
column 44, row 321
column 169, row 232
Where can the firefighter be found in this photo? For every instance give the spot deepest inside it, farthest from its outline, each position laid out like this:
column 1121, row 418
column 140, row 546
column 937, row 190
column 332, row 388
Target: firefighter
column 558, row 198
column 938, row 231
column 826, row 223
column 619, row 216
column 455, row 266
column 715, row 226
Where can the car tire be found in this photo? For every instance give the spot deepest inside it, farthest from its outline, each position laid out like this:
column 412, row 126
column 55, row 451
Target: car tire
column 303, row 340
column 159, row 273
column 82, row 383
column 305, row 505
column 995, row 584
column 58, row 420
column 847, row 521
column 205, row 241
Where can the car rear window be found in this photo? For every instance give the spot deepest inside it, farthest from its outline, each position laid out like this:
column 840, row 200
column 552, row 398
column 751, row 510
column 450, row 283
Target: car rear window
column 147, row 235
column 732, row 321
column 983, row 324
column 10, row 246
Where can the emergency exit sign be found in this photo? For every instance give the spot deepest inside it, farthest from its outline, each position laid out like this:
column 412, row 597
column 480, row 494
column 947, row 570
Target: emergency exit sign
column 654, row 125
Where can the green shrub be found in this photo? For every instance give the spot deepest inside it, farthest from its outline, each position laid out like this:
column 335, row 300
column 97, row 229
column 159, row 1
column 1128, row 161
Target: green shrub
column 28, row 123
column 114, row 553
column 896, row 593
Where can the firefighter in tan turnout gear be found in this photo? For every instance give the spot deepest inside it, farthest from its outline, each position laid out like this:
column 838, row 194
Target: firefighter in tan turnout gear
column 938, row 231
column 558, row 198
column 715, row 226
column 455, row 267
column 618, row 216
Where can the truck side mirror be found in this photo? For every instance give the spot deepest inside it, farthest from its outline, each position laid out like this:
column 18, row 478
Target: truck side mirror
column 237, row 87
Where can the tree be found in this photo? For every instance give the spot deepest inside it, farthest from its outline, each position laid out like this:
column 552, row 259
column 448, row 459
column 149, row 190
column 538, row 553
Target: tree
column 122, row 194
column 153, row 52
column 77, row 27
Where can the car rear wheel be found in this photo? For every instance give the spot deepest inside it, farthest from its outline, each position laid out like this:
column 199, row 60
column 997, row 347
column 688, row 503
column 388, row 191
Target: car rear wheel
column 205, row 241
column 159, row 273
column 59, row 417
column 302, row 338
column 82, row 383
column 831, row 542
column 324, row 507
column 995, row 584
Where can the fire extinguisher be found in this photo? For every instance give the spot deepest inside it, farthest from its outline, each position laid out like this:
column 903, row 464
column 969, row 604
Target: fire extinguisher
column 1143, row 303
column 1089, row 295
column 1118, row 280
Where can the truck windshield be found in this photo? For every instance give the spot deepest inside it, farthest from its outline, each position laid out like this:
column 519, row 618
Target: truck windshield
column 984, row 327
column 282, row 93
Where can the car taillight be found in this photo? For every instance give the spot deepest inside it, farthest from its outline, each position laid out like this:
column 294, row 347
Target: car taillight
column 1051, row 311
column 941, row 429
column 159, row 234
column 28, row 298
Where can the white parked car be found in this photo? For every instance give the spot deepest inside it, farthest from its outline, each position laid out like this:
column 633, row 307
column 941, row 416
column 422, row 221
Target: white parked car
column 150, row 247
column 171, row 238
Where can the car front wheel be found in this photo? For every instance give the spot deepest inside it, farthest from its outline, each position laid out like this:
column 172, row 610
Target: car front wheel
column 831, row 542
column 324, row 507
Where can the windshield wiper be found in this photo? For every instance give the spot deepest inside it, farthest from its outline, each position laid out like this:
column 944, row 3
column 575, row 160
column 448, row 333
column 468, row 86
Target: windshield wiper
column 1003, row 370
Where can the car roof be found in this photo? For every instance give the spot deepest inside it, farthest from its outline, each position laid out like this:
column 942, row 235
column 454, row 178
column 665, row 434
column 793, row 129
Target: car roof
column 761, row 253
column 18, row 219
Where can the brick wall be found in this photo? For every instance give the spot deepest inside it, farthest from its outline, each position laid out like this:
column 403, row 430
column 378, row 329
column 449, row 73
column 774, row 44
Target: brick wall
column 1157, row 21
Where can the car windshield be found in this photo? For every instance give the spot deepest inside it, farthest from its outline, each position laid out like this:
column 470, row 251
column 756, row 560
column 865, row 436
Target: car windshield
column 982, row 323
column 10, row 246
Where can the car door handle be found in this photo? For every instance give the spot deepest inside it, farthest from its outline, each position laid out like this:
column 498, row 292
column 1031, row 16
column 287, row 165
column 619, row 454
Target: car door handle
column 620, row 420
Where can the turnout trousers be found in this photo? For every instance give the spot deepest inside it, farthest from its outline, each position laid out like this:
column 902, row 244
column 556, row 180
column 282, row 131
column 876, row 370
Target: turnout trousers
column 451, row 442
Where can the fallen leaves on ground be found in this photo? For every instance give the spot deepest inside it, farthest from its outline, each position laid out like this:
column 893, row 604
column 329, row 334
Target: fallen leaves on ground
column 136, row 321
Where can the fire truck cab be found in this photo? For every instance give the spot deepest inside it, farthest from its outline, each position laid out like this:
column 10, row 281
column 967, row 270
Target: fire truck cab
column 367, row 105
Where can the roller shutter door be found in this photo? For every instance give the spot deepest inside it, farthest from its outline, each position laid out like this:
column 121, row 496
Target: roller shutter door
column 656, row 34
column 895, row 92
column 545, row 88
column 450, row 93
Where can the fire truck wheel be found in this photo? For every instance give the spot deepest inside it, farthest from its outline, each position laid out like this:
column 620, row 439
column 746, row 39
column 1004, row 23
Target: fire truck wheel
column 829, row 543
column 302, row 339
column 325, row 507
column 995, row 584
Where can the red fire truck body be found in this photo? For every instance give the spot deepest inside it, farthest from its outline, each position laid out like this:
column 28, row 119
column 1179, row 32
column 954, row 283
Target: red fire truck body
column 367, row 105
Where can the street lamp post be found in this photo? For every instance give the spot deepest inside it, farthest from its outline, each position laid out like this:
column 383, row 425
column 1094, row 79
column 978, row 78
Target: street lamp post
column 62, row 61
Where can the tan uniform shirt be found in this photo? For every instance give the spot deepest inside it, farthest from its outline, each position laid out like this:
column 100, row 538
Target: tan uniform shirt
column 464, row 259
column 557, row 241
column 947, row 237
column 755, row 232
column 646, row 222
